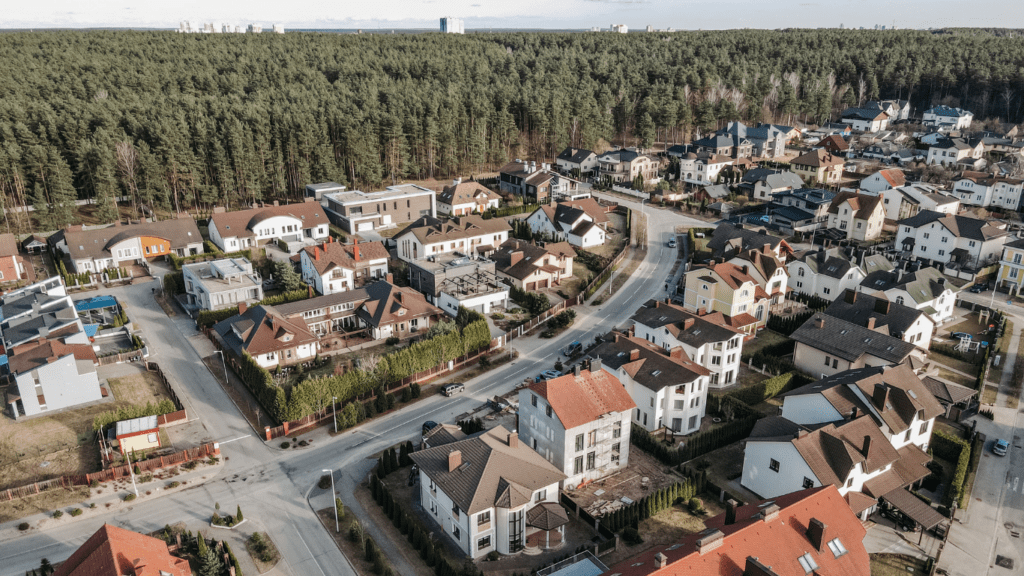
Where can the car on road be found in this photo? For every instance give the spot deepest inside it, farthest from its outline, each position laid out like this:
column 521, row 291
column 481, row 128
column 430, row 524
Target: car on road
column 548, row 375
column 672, row 243
column 979, row 288
column 999, row 447
column 452, row 389
column 428, row 426
column 960, row 336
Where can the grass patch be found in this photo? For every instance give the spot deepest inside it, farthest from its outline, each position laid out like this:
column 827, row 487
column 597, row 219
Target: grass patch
column 165, row 304
column 896, row 565
column 263, row 552
column 953, row 363
column 43, row 502
column 138, row 388
column 764, row 339
column 956, row 377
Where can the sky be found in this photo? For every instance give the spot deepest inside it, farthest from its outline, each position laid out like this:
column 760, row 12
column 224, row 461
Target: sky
column 484, row 14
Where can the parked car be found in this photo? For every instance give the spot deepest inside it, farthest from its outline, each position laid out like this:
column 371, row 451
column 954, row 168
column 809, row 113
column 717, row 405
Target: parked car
column 979, row 288
column 902, row 521
column 961, row 335
column 451, row 389
column 1000, row 447
column 547, row 375
column 428, row 426
column 672, row 242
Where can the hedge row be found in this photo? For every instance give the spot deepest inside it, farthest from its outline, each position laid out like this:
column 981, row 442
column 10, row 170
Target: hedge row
column 770, row 388
column 786, row 326
column 129, row 412
column 532, row 302
column 208, row 318
column 632, row 514
column 505, row 211
column 955, row 450
column 215, row 254
column 694, row 445
column 174, row 283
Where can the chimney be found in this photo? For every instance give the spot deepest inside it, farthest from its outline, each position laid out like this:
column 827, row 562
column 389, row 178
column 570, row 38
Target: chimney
column 595, row 365
column 513, row 440
column 770, row 513
column 819, row 322
column 355, row 252
column 634, row 354
column 657, row 303
column 676, row 353
column 800, row 433
column 688, row 323
column 616, row 335
column 854, row 413
column 882, row 305
column 316, row 253
column 730, row 511
column 767, row 248
column 660, row 560
column 242, row 307
column 515, row 257
column 871, row 323
column 744, row 268
column 577, row 369
column 881, row 396
column 851, row 296
column 276, row 203
column 816, row 533
column 867, row 445
column 755, row 568
column 310, row 286
column 942, row 281
column 899, row 274
column 455, row 458
column 708, row 543
column 390, row 278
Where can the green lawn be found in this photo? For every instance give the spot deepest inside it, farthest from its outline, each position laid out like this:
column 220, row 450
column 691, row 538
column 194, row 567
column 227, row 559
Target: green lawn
column 764, row 339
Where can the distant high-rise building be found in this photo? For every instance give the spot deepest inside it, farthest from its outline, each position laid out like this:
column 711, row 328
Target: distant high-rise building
column 650, row 28
column 620, row 28
column 450, row 25
column 255, row 28
column 278, row 29
column 595, row 29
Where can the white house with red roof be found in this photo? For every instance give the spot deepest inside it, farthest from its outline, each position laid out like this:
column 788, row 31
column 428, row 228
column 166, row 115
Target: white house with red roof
column 334, row 267
column 810, row 531
column 883, row 180
column 579, row 422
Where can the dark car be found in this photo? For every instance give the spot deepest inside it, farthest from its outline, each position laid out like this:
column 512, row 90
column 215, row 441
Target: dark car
column 428, row 426
column 452, row 389
column 902, row 521
column 979, row 288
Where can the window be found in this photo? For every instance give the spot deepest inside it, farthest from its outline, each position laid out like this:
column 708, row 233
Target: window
column 925, row 235
column 836, row 547
column 807, row 563
column 533, row 399
column 483, row 518
column 577, row 467
column 859, row 224
column 456, row 532
column 827, row 360
column 906, row 437
column 579, row 442
column 617, row 430
column 483, row 543
column 547, row 410
column 808, row 483
column 680, row 404
column 151, row 438
column 455, row 511
column 693, row 422
column 924, row 428
column 773, row 465
column 652, row 402
column 592, row 438
column 541, row 495
column 899, row 299
column 942, row 252
column 849, row 483
column 591, row 460
column 800, row 272
column 826, row 290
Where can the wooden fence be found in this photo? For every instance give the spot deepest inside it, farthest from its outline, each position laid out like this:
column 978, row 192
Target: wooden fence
column 131, row 356
column 115, row 473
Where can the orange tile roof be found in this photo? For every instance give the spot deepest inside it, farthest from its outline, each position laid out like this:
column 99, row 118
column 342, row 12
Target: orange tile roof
column 114, row 551
column 578, row 400
column 41, row 352
column 330, row 254
column 239, row 224
column 776, row 542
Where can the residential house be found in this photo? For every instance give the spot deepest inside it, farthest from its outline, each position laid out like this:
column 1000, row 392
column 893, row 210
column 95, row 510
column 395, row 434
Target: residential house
column 949, row 238
column 290, row 223
column 669, row 389
column 954, row 398
column 451, row 279
column 113, row 551
column 390, row 311
column 865, row 119
column 1011, row 267
column 579, row 159
column 491, row 492
column 533, row 267
column 894, row 109
column 705, row 339
column 12, row 265
column 536, row 186
column 470, row 235
column 726, row 288
column 856, row 216
column 357, row 211
column 767, row 270
column 766, row 140
column 624, row 165
column 878, row 313
column 220, row 284
column 834, row 145
column 317, row 191
column 950, row 152
column 801, row 210
column 882, row 180
column 268, row 336
column 34, row 244
column 580, row 422
column 804, row 532
column 124, row 245
column 925, row 289
column 581, row 223
column 703, row 167
column 882, row 151
column 464, row 198
column 728, row 240
column 984, row 189
column 828, row 129
column 818, row 166
column 335, row 267
column 712, row 193
column 826, row 345
column 763, row 183
column 906, row 201
column 947, row 118
column 824, row 273
column 724, row 143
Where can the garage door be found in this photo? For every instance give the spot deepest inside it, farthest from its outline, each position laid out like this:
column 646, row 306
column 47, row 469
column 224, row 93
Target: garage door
column 531, row 286
column 542, row 283
column 364, row 227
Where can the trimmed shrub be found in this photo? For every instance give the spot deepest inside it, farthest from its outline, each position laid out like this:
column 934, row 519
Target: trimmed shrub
column 631, row 536
column 57, row 513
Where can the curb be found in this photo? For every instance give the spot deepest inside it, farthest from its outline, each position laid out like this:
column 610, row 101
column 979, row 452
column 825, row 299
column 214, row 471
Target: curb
column 244, row 520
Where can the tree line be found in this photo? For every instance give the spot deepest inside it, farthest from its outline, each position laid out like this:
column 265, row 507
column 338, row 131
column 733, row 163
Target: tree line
column 177, row 122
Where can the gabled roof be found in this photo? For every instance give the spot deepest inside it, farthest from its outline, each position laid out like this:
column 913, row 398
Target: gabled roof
column 944, row 110
column 861, row 308
column 329, row 255
column 863, row 205
column 8, row 244
column 31, row 356
column 261, row 329
column 894, row 176
column 761, row 259
column 923, row 285
column 864, row 114
column 519, row 258
column 647, row 364
column 732, row 274
column 430, row 230
column 817, row 158
column 729, row 237
column 764, row 541
column 832, row 451
column 986, row 179
column 113, row 551
column 959, row 226
column 466, row 193
column 491, row 473
column 834, row 142
column 580, row 399
column 387, row 304
column 575, row 155
column 849, row 341
column 240, row 223
column 774, row 179
column 179, row 232
column 947, row 392
column 688, row 327
column 830, row 262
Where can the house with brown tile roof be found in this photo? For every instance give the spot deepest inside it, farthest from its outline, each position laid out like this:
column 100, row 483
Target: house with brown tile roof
column 988, row 189
column 834, row 144
column 857, row 216
column 468, row 235
column 668, row 388
column 579, row 422
column 531, row 267
column 291, row 223
column 113, row 551
column 465, row 198
column 581, row 222
column 883, row 180
column 818, row 167
column 13, row 267
column 537, row 184
column 807, row 532
column 491, row 492
column 727, row 288
column 331, row 266
column 394, row 312
column 767, row 269
column 97, row 249
column 271, row 338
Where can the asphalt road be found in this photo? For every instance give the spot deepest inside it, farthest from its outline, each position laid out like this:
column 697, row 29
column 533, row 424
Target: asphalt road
column 273, row 486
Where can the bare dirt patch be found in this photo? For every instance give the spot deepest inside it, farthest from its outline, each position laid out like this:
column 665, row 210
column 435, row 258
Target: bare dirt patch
column 663, row 529
column 43, row 502
column 629, row 481
column 138, row 389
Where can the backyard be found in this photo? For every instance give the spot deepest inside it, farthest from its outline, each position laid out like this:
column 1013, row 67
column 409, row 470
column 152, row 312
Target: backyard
column 896, row 565
column 664, row 529
column 62, row 443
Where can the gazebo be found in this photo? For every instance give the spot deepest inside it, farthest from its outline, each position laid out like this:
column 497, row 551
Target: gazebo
column 548, row 519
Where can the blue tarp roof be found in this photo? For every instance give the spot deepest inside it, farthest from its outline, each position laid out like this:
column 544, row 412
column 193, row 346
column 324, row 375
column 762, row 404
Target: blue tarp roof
column 3, row 359
column 95, row 303
column 91, row 329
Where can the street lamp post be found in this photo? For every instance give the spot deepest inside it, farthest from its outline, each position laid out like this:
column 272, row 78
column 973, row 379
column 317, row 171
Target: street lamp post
column 337, row 524
column 132, row 471
column 334, row 408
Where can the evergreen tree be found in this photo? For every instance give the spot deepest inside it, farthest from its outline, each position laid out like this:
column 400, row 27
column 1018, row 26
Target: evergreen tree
column 208, row 559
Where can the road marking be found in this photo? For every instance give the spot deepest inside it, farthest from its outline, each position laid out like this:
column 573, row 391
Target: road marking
column 233, row 439
column 308, row 550
column 1016, row 479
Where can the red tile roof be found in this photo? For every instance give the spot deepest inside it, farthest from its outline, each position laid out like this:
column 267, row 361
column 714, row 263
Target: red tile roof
column 577, row 400
column 777, row 542
column 817, row 159
column 894, row 176
column 330, row 254
column 41, row 352
column 114, row 551
column 240, row 223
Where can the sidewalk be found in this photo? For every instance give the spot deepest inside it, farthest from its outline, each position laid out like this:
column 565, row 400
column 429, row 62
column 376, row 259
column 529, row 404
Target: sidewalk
column 1005, row 383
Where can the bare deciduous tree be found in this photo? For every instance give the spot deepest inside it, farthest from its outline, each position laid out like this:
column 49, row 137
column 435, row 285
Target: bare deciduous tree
column 127, row 167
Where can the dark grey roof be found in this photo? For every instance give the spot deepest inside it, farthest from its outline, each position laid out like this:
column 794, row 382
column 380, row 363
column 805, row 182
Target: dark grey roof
column 849, row 341
column 944, row 110
column 724, row 235
column 947, row 392
column 775, row 428
column 861, row 113
column 960, row 226
column 653, row 368
column 831, row 262
column 791, row 213
column 815, row 196
column 576, row 155
column 685, row 326
column 858, row 307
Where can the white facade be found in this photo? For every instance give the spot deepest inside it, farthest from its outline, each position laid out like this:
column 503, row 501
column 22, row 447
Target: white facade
column 722, row 359
column 338, row 278
column 451, row 25
column 1003, row 194
column 680, row 406
column 411, row 248
column 60, row 383
column 702, row 170
column 947, row 118
column 804, row 280
column 934, row 241
column 283, row 227
column 620, row 28
column 540, row 223
column 768, row 480
column 272, row 359
column 948, row 155
column 942, row 304
column 482, row 303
